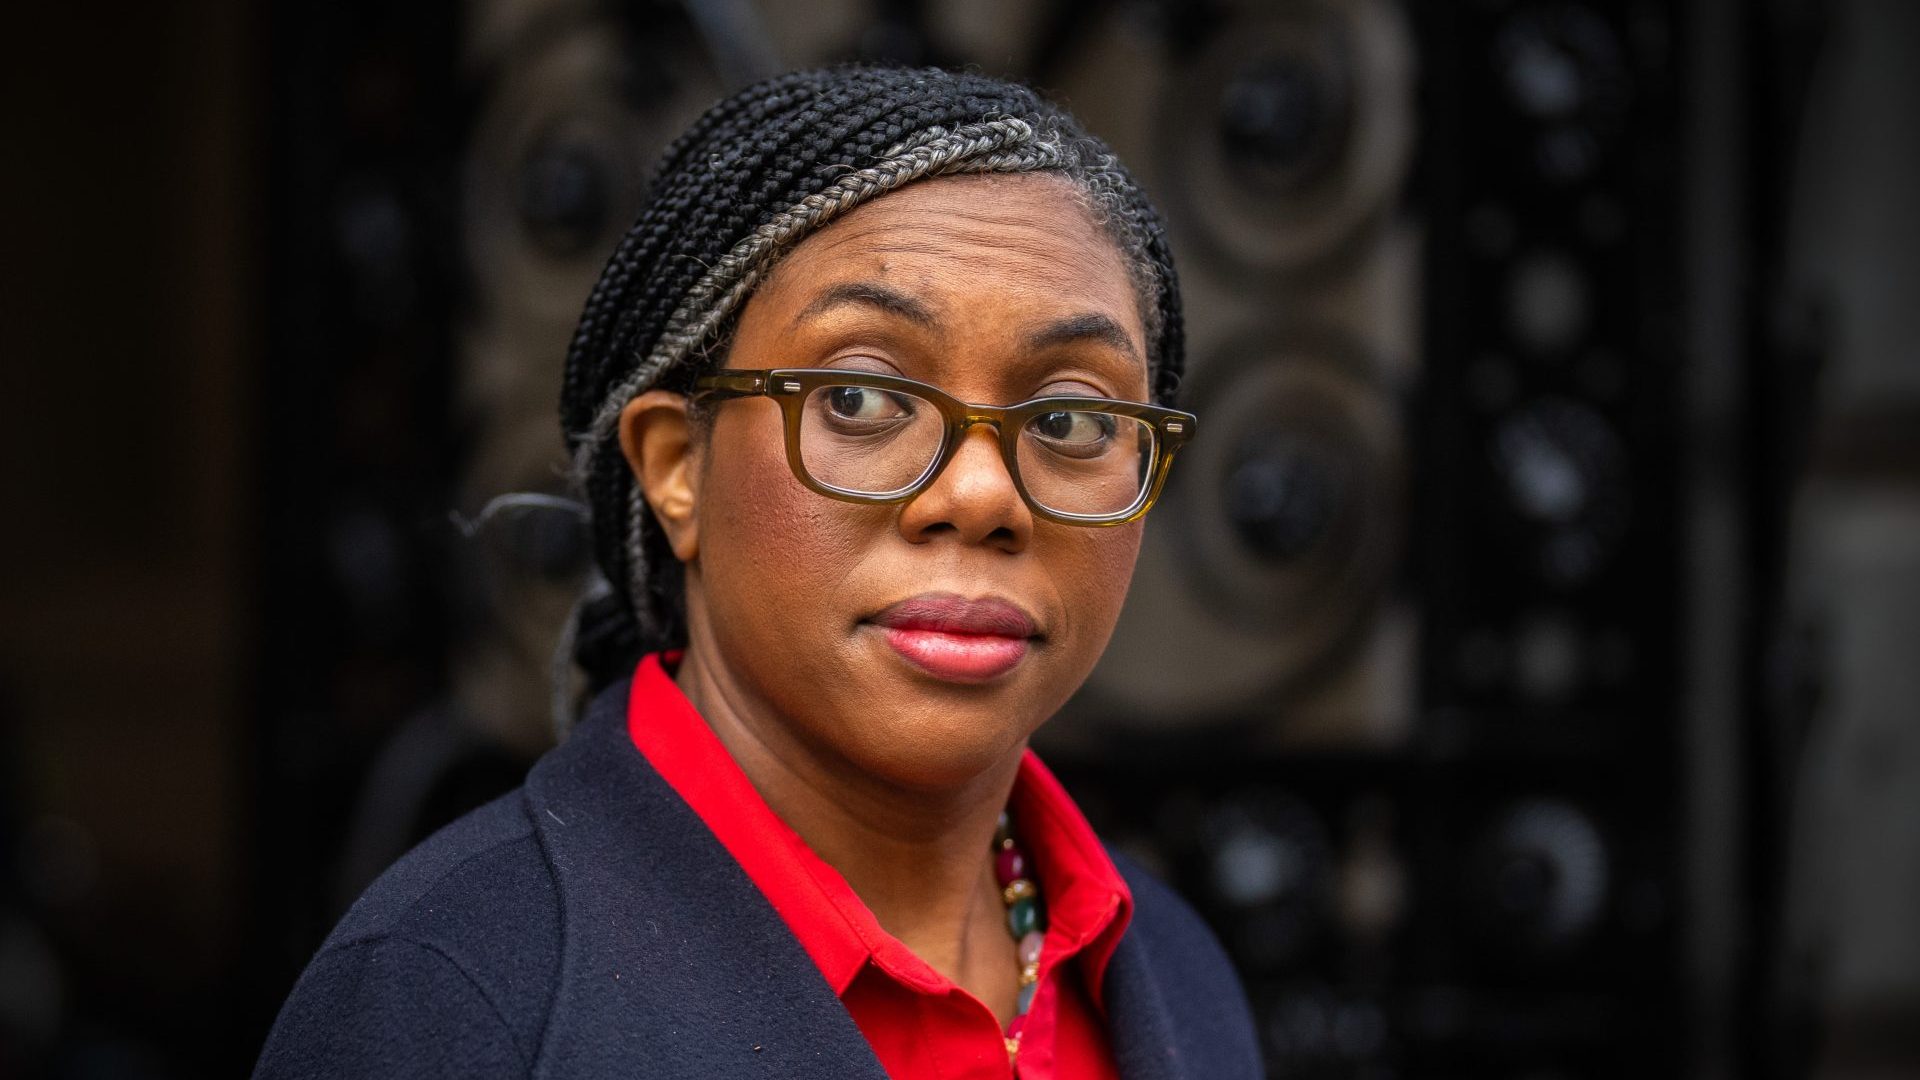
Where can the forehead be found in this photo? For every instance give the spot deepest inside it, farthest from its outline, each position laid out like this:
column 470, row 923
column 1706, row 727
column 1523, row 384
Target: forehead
column 1038, row 212
column 1018, row 245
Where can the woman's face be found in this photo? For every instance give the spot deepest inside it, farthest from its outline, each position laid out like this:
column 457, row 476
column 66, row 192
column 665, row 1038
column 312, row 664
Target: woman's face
column 995, row 289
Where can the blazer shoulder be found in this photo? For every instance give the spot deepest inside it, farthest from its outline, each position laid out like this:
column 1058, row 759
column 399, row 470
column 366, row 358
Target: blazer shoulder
column 384, row 1008
column 473, row 908
column 479, row 855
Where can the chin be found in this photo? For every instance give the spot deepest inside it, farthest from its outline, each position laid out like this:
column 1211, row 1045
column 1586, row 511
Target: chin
column 936, row 747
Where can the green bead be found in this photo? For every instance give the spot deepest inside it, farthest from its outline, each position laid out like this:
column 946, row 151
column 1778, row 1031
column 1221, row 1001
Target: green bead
column 1023, row 918
column 1026, row 999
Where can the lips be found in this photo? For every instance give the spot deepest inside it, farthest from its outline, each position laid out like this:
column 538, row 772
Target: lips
column 956, row 639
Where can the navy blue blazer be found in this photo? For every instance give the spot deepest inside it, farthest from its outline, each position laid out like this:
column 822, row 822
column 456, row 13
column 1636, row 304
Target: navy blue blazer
column 589, row 925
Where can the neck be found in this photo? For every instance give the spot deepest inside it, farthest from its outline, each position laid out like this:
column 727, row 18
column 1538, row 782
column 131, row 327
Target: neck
column 920, row 860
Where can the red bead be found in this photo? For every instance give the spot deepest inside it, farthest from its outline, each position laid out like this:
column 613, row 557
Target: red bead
column 1008, row 864
column 1016, row 1025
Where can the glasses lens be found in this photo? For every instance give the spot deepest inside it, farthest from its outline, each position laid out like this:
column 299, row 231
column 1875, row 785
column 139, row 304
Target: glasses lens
column 1085, row 462
column 868, row 441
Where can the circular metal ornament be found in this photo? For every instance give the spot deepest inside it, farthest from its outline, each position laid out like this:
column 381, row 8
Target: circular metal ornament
column 1276, row 538
column 1289, row 132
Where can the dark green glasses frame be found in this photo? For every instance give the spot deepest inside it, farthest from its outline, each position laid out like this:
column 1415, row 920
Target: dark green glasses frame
column 791, row 386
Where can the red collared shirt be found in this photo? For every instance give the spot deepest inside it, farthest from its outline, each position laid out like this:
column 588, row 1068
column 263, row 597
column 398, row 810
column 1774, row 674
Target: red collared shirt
column 920, row 1024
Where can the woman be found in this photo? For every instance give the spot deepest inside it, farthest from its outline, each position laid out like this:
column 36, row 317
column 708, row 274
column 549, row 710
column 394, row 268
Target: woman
column 798, row 833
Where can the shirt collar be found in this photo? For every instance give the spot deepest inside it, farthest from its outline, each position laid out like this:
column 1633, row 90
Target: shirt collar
column 1088, row 904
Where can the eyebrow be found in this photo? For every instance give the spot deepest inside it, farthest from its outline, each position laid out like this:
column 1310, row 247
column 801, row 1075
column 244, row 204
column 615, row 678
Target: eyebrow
column 869, row 294
column 1092, row 327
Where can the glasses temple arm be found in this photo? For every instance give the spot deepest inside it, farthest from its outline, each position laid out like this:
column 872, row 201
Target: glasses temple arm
column 726, row 384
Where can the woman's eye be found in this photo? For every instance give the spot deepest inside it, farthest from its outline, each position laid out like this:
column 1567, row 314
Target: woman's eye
column 864, row 403
column 1074, row 428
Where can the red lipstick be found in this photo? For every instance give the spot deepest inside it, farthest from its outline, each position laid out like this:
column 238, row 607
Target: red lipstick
column 956, row 639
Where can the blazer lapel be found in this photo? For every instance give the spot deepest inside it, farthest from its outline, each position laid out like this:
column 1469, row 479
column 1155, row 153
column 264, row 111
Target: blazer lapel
column 672, row 963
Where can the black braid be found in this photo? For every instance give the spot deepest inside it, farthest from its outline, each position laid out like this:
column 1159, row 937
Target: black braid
column 751, row 178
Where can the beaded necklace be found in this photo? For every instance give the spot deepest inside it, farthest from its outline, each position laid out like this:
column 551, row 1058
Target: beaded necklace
column 1022, row 898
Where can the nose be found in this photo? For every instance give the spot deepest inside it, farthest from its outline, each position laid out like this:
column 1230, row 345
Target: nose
column 974, row 498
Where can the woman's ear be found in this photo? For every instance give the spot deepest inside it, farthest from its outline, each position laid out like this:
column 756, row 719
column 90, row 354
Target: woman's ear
column 656, row 436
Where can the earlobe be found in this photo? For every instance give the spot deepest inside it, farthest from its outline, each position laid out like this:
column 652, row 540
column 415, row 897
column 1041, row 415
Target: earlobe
column 657, row 439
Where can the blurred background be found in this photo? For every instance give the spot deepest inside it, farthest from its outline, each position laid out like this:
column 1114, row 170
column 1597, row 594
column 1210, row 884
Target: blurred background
column 1518, row 673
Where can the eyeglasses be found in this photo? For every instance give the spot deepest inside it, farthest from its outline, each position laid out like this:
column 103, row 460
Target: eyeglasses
column 868, row 438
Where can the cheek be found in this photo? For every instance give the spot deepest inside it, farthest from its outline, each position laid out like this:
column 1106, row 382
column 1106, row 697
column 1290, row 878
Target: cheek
column 771, row 551
column 1093, row 582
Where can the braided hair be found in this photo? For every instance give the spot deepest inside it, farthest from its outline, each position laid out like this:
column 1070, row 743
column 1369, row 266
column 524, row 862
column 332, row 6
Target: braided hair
column 755, row 175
